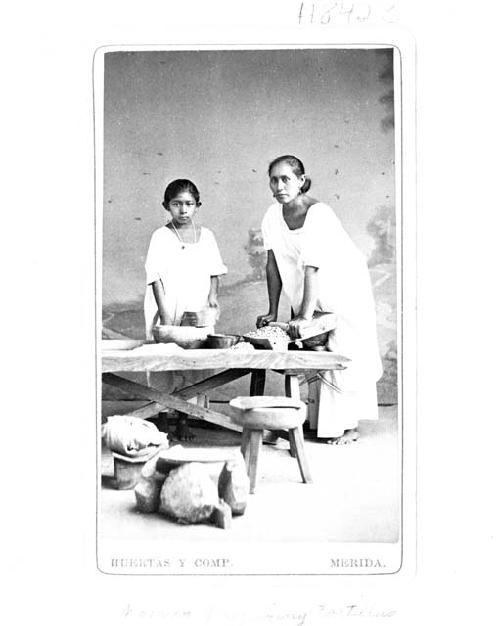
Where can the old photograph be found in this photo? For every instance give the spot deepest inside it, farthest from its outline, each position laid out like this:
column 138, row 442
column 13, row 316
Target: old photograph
column 250, row 313
column 249, row 303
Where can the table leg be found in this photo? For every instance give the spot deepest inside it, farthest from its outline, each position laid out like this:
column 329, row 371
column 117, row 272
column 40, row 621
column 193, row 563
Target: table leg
column 257, row 382
column 257, row 388
column 292, row 387
column 292, row 390
column 203, row 400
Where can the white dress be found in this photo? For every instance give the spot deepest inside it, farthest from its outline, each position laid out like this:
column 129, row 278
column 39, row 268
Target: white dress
column 184, row 269
column 341, row 397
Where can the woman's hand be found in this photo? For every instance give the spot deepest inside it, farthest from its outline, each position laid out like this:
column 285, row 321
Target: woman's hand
column 263, row 320
column 297, row 326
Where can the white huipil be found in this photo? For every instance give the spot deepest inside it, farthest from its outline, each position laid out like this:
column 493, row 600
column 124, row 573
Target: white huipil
column 184, row 270
column 341, row 397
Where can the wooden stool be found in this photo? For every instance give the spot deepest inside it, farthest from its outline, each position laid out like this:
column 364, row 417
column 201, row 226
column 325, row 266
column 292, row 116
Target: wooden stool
column 258, row 413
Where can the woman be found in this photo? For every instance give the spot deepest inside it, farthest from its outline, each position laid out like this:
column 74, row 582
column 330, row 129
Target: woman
column 311, row 257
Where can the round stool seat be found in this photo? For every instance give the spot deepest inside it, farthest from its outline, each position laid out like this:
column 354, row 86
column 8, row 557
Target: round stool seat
column 259, row 413
column 269, row 418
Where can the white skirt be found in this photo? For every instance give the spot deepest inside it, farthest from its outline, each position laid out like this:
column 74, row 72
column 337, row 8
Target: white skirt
column 332, row 412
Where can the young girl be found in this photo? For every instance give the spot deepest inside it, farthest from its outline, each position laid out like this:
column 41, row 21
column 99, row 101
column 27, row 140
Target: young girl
column 314, row 261
column 183, row 264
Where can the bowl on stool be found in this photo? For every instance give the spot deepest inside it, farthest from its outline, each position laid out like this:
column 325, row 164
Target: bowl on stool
column 281, row 413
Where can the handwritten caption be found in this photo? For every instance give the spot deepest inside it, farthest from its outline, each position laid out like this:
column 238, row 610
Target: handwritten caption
column 220, row 616
column 344, row 13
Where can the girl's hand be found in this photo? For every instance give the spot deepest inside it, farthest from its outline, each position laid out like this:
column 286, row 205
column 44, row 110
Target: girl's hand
column 213, row 307
column 263, row 320
column 212, row 301
column 297, row 326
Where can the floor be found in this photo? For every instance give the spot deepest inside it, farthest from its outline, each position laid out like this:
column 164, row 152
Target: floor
column 355, row 496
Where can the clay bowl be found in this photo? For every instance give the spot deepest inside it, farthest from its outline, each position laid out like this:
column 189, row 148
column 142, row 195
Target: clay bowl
column 315, row 342
column 221, row 341
column 188, row 337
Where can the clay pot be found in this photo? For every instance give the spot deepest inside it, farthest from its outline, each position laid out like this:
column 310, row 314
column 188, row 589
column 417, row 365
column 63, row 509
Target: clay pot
column 183, row 336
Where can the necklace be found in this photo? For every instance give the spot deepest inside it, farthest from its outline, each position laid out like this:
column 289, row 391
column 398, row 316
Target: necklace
column 182, row 242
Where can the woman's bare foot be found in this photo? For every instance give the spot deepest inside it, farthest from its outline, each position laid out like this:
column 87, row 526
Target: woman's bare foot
column 350, row 436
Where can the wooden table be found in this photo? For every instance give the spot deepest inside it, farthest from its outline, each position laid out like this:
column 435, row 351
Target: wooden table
column 232, row 363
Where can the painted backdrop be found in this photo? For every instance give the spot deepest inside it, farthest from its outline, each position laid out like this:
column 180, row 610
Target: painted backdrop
column 218, row 118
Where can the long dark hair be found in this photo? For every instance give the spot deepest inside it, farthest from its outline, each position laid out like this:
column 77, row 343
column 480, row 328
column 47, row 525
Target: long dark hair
column 297, row 168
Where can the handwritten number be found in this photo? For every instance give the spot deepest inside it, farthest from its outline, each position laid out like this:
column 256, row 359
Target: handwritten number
column 344, row 11
column 360, row 12
column 368, row 10
column 300, row 12
column 326, row 16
